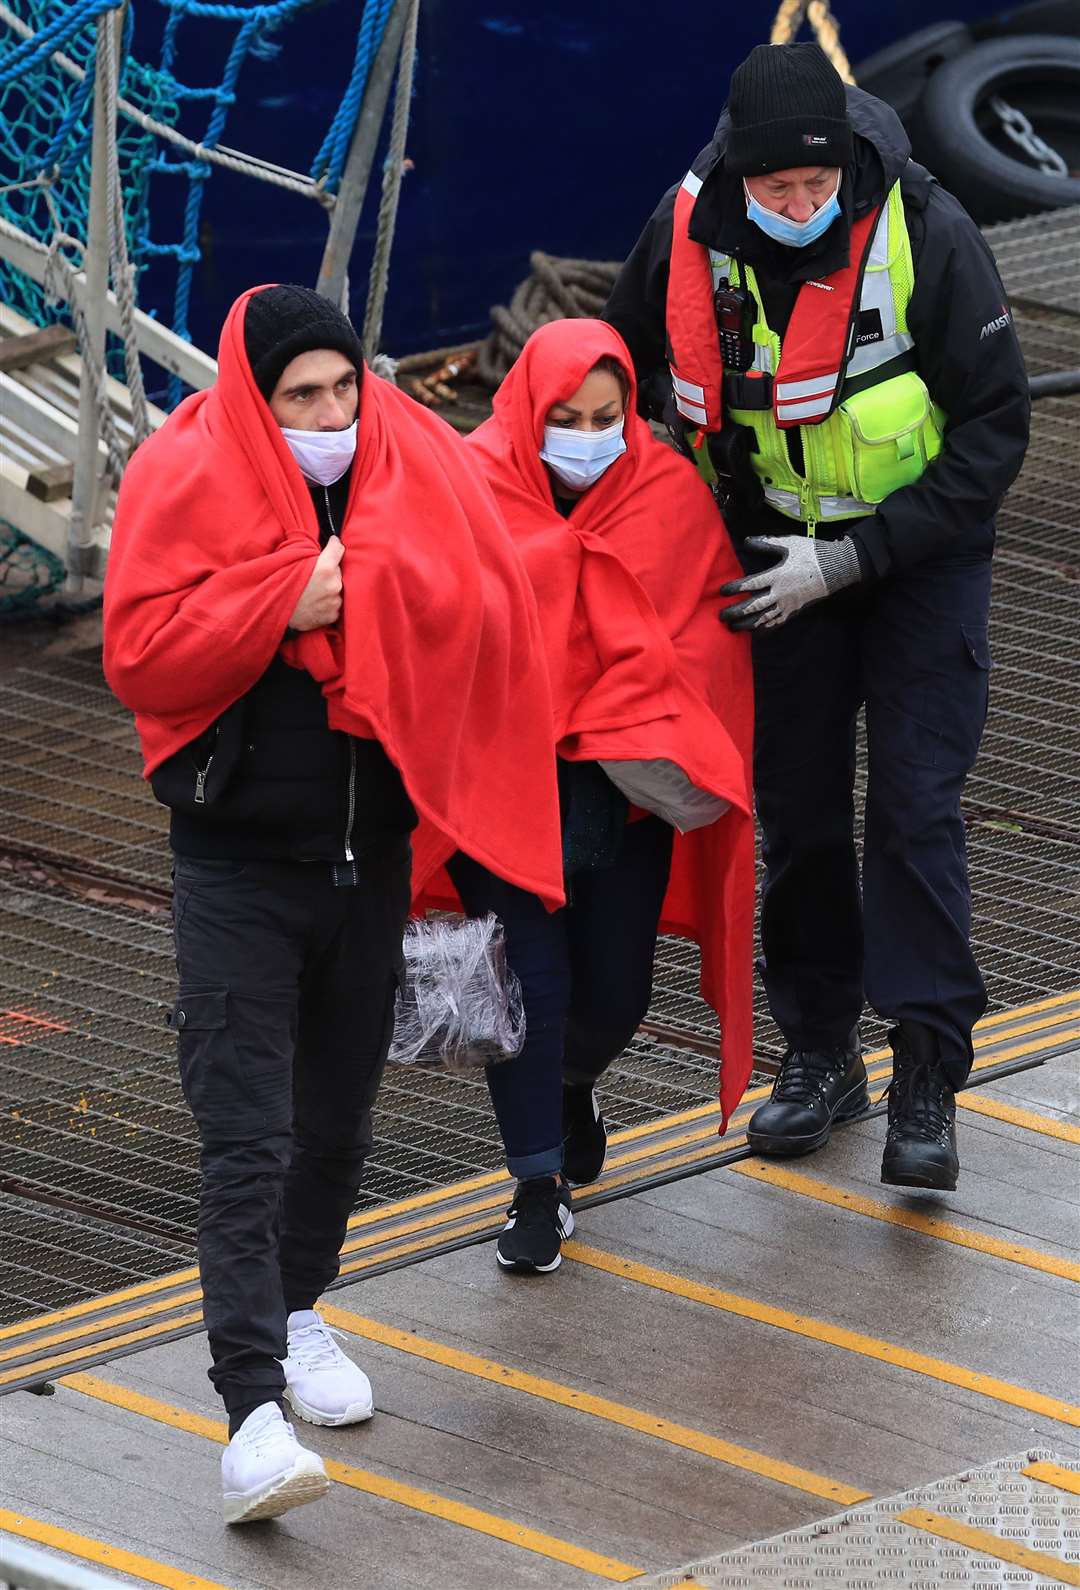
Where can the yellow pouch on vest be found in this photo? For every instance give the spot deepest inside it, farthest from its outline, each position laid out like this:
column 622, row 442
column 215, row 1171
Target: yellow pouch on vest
column 889, row 434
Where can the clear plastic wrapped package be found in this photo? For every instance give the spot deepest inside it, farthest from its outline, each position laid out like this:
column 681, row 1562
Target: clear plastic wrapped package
column 460, row 1005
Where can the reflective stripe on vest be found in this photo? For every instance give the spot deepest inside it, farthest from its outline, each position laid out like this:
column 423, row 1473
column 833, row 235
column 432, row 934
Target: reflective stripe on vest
column 694, row 346
column 790, row 503
column 815, row 346
column 818, row 349
column 869, row 426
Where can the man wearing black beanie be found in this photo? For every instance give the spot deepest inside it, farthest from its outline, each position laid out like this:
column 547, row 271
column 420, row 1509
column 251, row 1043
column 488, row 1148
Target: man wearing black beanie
column 291, row 887
column 822, row 328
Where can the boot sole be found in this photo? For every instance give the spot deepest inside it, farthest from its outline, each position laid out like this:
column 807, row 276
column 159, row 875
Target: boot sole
column 355, row 1413
column 791, row 1147
column 908, row 1179
column 288, row 1491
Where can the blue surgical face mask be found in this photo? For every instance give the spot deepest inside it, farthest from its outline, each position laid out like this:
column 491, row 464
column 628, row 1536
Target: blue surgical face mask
column 579, row 458
column 796, row 234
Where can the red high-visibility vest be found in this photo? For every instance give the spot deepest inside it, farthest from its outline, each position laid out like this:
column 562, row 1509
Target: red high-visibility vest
column 814, row 349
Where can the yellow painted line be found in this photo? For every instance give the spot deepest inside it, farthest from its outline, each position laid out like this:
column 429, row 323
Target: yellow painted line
column 1043, row 1024
column 127, row 1339
column 795, row 1181
column 1018, row 1051
column 417, row 1245
column 372, row 1484
column 402, row 1206
column 875, row 1057
column 96, row 1304
column 988, row 1545
column 1052, row 1002
column 458, row 1213
column 1017, row 1117
column 97, row 1551
column 599, row 1407
column 710, row 1112
column 821, row 1331
column 114, row 1320
column 1054, row 1474
column 387, row 1216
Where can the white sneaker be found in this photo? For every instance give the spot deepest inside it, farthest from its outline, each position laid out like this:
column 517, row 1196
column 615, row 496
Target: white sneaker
column 321, row 1384
column 265, row 1470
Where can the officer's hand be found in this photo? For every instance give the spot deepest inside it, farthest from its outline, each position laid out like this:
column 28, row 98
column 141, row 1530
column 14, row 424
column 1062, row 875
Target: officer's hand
column 807, row 571
column 320, row 602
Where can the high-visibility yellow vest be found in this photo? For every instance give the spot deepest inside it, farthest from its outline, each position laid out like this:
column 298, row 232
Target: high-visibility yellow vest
column 867, row 428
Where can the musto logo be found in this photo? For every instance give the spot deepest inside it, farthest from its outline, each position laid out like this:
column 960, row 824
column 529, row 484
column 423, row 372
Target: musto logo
column 1003, row 320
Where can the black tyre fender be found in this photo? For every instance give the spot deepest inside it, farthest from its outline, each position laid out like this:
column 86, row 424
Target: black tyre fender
column 898, row 74
column 954, row 117
column 1038, row 16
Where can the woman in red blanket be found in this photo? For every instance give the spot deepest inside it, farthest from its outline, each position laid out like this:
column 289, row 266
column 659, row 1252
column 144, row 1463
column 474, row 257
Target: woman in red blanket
column 315, row 613
column 652, row 724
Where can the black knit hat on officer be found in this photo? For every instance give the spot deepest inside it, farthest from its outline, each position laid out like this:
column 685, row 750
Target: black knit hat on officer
column 788, row 107
column 282, row 322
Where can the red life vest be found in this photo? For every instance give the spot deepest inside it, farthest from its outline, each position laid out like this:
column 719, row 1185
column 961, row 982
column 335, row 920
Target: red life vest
column 815, row 347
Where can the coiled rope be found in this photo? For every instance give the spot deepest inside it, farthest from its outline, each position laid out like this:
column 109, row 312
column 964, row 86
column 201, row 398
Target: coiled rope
column 558, row 289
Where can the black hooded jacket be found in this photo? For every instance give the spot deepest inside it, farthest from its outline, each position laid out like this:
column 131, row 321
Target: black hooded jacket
column 965, row 345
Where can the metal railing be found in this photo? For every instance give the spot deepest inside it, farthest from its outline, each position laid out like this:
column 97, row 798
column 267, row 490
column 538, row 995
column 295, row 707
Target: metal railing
column 25, row 1568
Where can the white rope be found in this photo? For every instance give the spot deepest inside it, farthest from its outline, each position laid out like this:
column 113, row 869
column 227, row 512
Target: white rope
column 120, row 267
column 393, row 172
column 60, row 284
column 230, row 159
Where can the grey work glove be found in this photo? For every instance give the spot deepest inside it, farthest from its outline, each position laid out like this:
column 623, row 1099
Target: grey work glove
column 807, row 571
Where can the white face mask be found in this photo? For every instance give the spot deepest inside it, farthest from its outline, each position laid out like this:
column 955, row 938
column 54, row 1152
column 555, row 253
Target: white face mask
column 579, row 458
column 323, row 456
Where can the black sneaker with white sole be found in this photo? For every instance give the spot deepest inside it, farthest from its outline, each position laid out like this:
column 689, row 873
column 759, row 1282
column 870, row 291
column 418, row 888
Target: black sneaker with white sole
column 537, row 1221
column 584, row 1135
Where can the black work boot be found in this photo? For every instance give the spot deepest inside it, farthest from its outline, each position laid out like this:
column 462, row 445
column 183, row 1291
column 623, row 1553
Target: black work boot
column 920, row 1147
column 815, row 1088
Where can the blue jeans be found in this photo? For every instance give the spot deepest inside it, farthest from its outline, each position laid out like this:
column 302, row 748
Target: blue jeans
column 586, row 976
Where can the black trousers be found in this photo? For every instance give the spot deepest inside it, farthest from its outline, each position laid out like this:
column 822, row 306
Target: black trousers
column 914, row 649
column 283, row 1021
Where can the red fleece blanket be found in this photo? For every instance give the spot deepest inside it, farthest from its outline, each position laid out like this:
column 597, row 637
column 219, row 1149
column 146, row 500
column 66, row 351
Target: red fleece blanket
column 629, row 594
column 437, row 653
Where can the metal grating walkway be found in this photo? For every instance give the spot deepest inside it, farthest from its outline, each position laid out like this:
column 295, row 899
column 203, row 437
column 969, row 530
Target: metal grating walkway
column 1014, row 1522
column 98, row 1165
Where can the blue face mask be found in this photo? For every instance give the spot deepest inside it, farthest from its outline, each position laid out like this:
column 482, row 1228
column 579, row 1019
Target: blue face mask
column 795, row 234
column 579, row 458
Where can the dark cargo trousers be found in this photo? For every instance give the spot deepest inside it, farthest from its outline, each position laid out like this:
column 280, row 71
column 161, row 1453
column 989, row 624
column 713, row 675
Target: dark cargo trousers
column 914, row 649
column 283, row 1022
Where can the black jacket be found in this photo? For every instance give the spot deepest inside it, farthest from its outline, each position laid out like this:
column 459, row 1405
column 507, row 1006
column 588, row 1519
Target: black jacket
column 290, row 788
column 966, row 352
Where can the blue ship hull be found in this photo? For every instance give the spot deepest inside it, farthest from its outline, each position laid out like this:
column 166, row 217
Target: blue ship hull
column 552, row 124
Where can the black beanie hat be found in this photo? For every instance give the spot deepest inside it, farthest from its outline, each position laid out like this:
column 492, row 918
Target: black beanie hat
column 282, row 322
column 788, row 107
